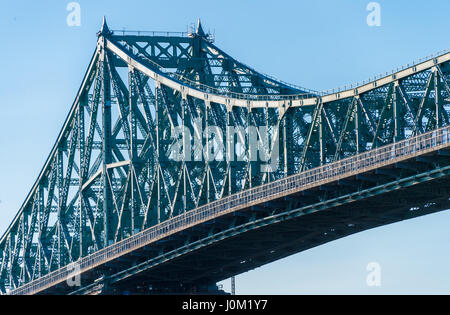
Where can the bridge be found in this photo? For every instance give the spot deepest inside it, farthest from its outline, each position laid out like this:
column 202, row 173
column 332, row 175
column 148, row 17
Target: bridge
column 179, row 166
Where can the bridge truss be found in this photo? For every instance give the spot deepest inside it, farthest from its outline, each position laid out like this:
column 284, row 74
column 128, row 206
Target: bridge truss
column 111, row 199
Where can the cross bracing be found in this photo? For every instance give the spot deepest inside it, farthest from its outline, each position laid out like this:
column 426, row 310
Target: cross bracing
column 110, row 177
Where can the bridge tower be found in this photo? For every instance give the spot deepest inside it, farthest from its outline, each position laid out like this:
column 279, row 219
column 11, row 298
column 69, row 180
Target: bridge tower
column 179, row 166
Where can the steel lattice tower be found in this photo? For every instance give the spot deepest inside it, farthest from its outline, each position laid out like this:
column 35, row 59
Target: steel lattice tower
column 113, row 201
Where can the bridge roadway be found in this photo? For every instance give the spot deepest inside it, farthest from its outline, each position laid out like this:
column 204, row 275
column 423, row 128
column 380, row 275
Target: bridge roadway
column 263, row 224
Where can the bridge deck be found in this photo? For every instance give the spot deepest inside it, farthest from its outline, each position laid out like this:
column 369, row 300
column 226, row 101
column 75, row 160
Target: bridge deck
column 358, row 164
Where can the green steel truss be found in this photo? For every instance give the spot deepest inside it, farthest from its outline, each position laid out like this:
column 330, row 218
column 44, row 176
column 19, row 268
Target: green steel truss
column 110, row 176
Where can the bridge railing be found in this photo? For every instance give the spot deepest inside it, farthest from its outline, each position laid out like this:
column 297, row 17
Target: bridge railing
column 236, row 95
column 286, row 97
column 150, row 33
column 379, row 157
column 384, row 74
column 308, row 93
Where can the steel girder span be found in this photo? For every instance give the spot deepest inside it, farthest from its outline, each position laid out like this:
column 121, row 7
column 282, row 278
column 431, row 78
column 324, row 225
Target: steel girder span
column 113, row 205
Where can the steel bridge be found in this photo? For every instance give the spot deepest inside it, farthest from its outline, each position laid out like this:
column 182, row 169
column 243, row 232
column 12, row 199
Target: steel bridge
column 113, row 208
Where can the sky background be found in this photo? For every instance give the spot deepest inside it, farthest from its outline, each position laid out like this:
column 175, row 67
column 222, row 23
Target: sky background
column 320, row 44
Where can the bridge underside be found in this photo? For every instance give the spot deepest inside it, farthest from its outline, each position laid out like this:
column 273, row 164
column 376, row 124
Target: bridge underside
column 193, row 260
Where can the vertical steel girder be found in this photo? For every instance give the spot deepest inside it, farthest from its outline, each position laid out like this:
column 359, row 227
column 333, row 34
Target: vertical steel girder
column 110, row 174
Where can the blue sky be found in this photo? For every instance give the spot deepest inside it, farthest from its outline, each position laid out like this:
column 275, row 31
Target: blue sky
column 318, row 44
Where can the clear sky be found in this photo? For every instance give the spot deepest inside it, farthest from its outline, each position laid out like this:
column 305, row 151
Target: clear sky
column 319, row 44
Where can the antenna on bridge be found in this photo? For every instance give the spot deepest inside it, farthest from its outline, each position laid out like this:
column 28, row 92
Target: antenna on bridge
column 198, row 31
column 104, row 31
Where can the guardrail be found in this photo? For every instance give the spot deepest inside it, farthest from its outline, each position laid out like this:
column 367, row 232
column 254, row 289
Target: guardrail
column 150, row 33
column 213, row 90
column 389, row 154
column 385, row 74
column 279, row 97
column 309, row 93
